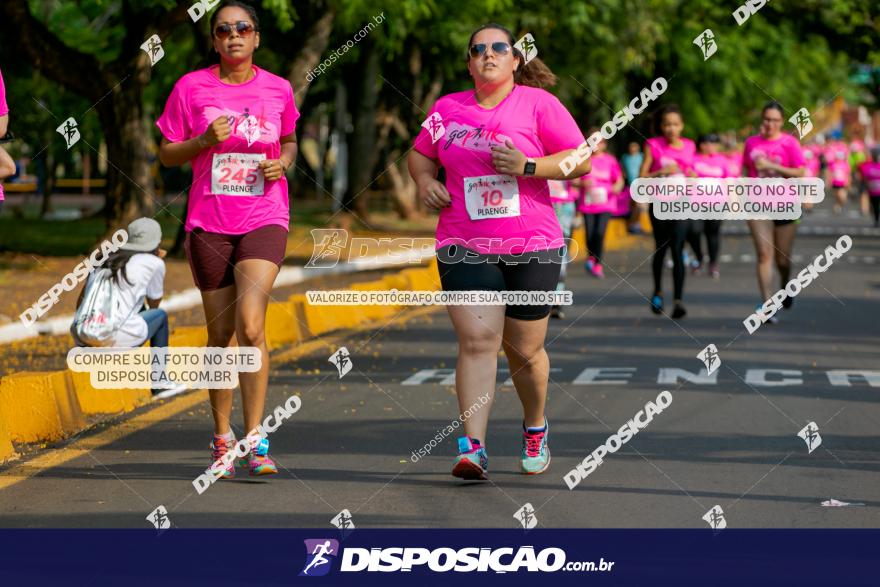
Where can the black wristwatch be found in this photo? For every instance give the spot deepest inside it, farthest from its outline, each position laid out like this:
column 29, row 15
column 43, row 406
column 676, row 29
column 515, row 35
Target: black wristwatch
column 530, row 167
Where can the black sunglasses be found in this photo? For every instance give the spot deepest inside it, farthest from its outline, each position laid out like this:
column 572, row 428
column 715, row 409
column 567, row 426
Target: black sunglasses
column 242, row 27
column 498, row 47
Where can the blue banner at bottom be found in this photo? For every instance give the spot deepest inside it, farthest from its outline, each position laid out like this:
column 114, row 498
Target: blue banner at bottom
column 429, row 557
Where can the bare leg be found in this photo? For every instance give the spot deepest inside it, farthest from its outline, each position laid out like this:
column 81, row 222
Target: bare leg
column 529, row 365
column 253, row 279
column 219, row 307
column 478, row 329
column 762, row 236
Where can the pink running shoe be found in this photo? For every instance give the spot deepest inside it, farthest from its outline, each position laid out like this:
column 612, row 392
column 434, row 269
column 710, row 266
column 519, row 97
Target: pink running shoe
column 258, row 461
column 597, row 270
column 219, row 447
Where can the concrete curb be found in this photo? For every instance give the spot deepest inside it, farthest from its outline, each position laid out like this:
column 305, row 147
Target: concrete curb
column 51, row 406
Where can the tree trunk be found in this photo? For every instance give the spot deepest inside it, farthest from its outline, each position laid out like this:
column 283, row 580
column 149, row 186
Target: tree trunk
column 317, row 38
column 130, row 190
column 363, row 157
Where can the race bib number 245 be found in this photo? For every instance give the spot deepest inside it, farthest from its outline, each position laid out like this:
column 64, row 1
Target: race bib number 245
column 237, row 174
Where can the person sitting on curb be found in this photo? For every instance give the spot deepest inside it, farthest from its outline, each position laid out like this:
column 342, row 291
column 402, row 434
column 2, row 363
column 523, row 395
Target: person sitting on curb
column 137, row 276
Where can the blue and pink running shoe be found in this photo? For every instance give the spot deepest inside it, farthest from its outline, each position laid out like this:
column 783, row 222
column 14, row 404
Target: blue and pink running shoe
column 258, row 461
column 535, row 452
column 472, row 461
column 220, row 447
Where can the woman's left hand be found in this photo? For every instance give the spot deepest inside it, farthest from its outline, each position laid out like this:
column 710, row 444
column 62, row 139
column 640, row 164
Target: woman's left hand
column 508, row 159
column 272, row 168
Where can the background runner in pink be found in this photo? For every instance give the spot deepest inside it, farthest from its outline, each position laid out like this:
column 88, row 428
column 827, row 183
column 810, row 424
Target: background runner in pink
column 197, row 99
column 784, row 150
column 538, row 125
column 4, row 110
column 605, row 173
column 663, row 154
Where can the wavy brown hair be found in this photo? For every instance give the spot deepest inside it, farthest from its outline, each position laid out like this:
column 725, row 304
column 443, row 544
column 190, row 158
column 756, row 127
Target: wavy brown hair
column 534, row 73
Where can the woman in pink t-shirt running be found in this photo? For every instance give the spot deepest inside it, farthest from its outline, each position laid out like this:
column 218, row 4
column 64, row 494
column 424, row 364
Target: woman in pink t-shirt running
column 235, row 123
column 499, row 144
column 669, row 155
column 773, row 153
column 7, row 165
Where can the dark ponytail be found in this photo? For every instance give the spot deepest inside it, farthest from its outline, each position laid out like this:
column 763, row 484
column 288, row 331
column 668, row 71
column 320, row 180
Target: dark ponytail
column 116, row 263
column 534, row 73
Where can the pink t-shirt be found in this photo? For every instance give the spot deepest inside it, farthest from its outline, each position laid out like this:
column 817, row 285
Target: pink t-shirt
column 4, row 109
column 663, row 154
column 598, row 195
column 516, row 213
column 837, row 156
column 870, row 171
column 734, row 163
column 229, row 195
column 715, row 165
column 561, row 191
column 784, row 150
column 811, row 159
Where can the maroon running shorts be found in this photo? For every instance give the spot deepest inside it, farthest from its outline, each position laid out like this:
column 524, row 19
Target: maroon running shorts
column 212, row 256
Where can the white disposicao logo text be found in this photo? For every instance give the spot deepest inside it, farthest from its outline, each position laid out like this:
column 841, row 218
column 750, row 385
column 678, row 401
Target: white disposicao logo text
column 441, row 560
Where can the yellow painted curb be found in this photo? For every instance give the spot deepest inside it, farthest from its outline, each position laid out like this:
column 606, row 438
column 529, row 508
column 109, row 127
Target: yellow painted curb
column 189, row 336
column 6, row 450
column 37, row 407
column 106, row 401
column 282, row 325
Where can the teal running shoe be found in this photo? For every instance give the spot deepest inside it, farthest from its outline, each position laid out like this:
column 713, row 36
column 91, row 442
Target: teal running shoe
column 472, row 461
column 535, row 452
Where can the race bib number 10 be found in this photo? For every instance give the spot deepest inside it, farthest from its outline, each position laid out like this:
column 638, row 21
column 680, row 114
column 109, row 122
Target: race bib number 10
column 491, row 196
column 237, row 174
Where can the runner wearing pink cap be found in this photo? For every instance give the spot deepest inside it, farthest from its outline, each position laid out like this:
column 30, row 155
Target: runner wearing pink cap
column 500, row 143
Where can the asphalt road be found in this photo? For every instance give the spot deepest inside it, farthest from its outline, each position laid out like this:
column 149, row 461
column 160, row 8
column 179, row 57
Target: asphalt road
column 729, row 439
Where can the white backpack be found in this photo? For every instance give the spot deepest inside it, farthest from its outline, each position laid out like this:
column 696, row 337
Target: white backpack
column 94, row 323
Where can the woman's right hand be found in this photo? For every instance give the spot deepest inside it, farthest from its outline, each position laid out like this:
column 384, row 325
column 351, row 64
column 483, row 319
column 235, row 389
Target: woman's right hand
column 433, row 194
column 218, row 131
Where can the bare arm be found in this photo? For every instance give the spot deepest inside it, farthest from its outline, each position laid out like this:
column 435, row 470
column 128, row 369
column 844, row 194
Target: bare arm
column 424, row 172
column 4, row 124
column 174, row 154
